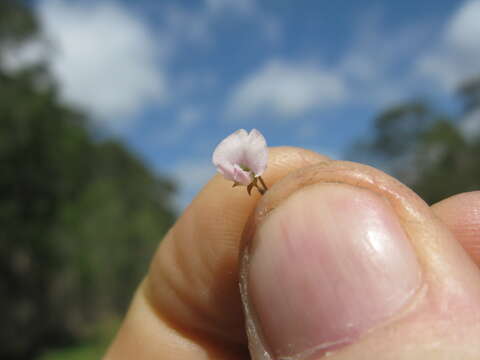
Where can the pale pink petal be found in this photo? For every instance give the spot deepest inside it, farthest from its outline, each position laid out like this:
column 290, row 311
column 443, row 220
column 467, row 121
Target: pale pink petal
column 241, row 156
column 256, row 152
column 241, row 176
column 229, row 151
column 227, row 170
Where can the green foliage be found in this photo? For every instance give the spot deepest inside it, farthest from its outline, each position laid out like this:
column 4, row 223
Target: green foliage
column 426, row 149
column 79, row 218
column 38, row 136
column 398, row 127
column 92, row 348
column 470, row 94
column 87, row 351
column 17, row 23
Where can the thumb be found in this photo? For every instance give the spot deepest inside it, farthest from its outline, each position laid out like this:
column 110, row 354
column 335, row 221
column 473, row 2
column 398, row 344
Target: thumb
column 341, row 259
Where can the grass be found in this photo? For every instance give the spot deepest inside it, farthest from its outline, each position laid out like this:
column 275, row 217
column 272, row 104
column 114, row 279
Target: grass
column 92, row 348
column 85, row 351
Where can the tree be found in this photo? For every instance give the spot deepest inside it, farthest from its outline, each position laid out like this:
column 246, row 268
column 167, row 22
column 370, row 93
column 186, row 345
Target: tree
column 426, row 149
column 79, row 218
column 469, row 92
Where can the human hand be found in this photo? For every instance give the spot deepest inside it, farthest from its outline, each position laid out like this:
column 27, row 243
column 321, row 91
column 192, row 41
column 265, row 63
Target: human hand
column 338, row 259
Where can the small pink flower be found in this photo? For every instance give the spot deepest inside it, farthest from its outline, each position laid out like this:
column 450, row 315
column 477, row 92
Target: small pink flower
column 242, row 157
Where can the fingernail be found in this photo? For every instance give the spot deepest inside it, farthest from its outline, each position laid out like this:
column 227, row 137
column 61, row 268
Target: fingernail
column 328, row 264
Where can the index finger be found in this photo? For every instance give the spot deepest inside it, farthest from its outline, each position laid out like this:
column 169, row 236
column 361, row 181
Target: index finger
column 189, row 305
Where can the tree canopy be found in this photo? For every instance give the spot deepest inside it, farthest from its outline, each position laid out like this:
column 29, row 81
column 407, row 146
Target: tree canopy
column 429, row 150
column 79, row 217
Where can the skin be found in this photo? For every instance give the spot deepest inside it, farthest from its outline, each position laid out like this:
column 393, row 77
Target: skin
column 189, row 305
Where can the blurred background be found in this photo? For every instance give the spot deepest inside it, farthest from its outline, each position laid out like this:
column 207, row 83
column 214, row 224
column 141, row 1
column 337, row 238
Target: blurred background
column 110, row 109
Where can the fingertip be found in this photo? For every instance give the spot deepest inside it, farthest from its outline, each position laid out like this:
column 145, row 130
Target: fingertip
column 461, row 214
column 194, row 274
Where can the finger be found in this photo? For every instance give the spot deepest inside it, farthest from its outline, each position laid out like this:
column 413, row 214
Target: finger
column 461, row 213
column 342, row 259
column 189, row 305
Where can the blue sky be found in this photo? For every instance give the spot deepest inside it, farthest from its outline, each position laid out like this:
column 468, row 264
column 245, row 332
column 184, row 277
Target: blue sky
column 172, row 78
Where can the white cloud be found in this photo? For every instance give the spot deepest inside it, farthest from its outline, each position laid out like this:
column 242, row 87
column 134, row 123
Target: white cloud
column 375, row 70
column 457, row 57
column 24, row 55
column 106, row 59
column 109, row 62
column 286, row 90
column 464, row 27
column 470, row 125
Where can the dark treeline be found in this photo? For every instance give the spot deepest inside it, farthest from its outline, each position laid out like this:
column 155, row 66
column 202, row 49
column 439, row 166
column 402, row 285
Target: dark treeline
column 433, row 152
column 79, row 217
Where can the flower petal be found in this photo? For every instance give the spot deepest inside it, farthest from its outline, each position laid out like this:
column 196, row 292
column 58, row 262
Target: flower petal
column 227, row 171
column 241, row 176
column 256, row 152
column 229, row 151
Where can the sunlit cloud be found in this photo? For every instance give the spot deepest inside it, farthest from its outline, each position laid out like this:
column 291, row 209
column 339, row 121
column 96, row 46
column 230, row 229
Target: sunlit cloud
column 112, row 62
column 470, row 125
column 286, row 90
column 106, row 59
column 457, row 56
column 24, row 55
column 374, row 70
